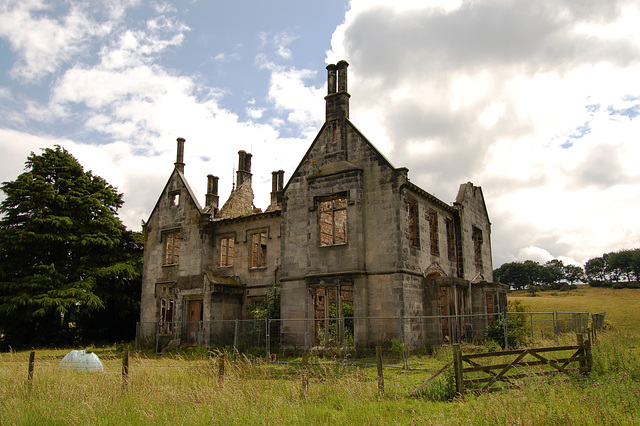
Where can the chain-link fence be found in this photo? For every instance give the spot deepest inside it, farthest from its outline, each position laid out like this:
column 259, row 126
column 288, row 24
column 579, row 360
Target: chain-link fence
column 357, row 337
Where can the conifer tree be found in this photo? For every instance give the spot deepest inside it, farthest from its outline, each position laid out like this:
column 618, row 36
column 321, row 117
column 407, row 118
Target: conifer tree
column 61, row 246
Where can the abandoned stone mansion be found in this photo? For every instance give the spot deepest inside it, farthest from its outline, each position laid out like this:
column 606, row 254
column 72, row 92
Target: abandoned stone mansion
column 347, row 235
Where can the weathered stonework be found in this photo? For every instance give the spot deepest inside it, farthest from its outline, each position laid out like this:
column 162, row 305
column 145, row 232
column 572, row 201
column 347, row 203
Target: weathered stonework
column 347, row 231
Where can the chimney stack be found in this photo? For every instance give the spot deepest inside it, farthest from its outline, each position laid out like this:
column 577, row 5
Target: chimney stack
column 277, row 184
column 244, row 168
column 180, row 155
column 337, row 99
column 212, row 198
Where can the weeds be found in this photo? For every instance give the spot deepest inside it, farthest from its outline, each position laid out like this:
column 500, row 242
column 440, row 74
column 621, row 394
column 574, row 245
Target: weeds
column 185, row 388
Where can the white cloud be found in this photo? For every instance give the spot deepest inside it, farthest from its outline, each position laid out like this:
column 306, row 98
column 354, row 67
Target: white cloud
column 43, row 43
column 536, row 102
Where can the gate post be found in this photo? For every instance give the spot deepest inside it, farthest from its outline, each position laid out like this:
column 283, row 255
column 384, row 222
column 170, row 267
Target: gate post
column 457, row 367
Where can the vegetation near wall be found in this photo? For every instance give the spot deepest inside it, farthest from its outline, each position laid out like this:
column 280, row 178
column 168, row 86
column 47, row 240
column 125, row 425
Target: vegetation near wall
column 69, row 269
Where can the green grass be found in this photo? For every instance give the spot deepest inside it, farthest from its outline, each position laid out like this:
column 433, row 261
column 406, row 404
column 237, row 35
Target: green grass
column 621, row 305
column 179, row 390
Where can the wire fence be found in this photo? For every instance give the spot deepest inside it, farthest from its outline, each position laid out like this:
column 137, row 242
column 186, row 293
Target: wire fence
column 357, row 336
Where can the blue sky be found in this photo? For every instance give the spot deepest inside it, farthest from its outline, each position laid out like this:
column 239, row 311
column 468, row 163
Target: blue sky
column 537, row 102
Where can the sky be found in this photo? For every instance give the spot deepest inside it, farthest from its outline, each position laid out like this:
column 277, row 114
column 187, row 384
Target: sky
column 537, row 102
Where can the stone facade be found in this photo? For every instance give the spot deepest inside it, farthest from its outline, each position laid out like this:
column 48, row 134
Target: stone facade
column 348, row 235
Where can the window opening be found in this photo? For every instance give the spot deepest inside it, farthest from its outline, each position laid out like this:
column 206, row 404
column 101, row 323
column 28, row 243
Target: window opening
column 174, row 198
column 172, row 248
column 333, row 220
column 226, row 251
column 451, row 239
column 333, row 311
column 166, row 310
column 477, row 246
column 414, row 234
column 433, row 233
column 259, row 250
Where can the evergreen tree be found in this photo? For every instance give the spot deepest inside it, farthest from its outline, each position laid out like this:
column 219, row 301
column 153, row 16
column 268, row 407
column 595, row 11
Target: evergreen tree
column 62, row 250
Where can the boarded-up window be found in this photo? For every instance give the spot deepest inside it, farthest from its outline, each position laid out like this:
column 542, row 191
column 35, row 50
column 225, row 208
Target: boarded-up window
column 477, row 246
column 226, row 251
column 259, row 250
column 172, row 248
column 451, row 239
column 414, row 229
column 433, row 233
column 333, row 220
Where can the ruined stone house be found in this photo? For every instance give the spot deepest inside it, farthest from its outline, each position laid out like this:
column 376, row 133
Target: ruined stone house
column 348, row 235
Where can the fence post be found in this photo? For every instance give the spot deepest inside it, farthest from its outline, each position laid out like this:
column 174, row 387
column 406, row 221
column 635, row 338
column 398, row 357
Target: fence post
column 235, row 339
column 380, row 374
column 267, row 338
column 457, row 367
column 582, row 363
column 589, row 355
column 305, row 373
column 531, row 324
column 156, row 334
column 506, row 330
column 32, row 361
column 221, row 367
column 125, row 369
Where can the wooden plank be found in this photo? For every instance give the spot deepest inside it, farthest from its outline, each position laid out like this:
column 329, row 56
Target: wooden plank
column 519, row 351
column 416, row 390
column 457, row 367
column 507, row 368
column 517, row 376
column 519, row 364
column 380, row 373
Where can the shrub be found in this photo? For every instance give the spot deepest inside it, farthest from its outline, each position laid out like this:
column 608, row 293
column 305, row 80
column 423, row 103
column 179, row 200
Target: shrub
column 518, row 331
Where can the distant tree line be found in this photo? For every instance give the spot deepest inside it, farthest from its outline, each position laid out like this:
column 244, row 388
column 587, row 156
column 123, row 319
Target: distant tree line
column 616, row 269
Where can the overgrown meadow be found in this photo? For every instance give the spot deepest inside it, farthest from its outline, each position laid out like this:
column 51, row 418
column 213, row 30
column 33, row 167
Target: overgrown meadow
column 186, row 388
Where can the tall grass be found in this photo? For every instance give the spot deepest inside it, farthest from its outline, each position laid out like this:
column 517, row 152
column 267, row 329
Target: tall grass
column 173, row 390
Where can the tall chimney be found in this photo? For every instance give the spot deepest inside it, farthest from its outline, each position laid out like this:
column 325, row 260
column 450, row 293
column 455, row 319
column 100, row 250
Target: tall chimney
column 276, row 188
column 280, row 179
column 244, row 168
column 180, row 155
column 212, row 198
column 337, row 99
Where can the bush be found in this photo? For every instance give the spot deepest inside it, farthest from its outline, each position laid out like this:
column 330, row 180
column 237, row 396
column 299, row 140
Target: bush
column 518, row 331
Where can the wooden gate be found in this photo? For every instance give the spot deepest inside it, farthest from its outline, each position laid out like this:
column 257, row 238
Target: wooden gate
column 531, row 362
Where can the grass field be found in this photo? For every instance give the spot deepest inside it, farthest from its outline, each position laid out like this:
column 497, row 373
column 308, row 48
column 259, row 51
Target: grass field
column 176, row 390
column 621, row 305
column 181, row 389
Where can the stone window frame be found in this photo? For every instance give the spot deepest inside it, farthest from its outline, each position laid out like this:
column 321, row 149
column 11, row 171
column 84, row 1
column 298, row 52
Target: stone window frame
column 451, row 238
column 258, row 253
column 332, row 215
column 227, row 251
column 478, row 240
column 166, row 307
column 413, row 222
column 434, row 237
column 172, row 239
column 174, row 198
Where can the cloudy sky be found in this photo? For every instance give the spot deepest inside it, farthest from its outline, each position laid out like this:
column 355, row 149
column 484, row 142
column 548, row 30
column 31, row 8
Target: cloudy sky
column 538, row 102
